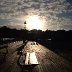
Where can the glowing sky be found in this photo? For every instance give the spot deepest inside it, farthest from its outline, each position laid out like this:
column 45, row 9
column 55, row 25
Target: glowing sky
column 56, row 13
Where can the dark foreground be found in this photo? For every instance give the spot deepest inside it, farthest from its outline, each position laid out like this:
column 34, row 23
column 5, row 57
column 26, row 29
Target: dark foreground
column 48, row 60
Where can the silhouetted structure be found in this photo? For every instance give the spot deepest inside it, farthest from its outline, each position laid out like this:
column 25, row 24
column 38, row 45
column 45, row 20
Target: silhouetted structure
column 53, row 39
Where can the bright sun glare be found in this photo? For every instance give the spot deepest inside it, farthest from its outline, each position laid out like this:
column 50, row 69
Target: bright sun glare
column 34, row 22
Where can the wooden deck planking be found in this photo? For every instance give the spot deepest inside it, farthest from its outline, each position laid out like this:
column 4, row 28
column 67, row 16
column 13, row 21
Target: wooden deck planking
column 11, row 59
column 56, row 63
column 48, row 60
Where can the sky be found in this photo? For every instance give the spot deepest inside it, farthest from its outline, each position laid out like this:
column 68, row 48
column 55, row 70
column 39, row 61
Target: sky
column 57, row 14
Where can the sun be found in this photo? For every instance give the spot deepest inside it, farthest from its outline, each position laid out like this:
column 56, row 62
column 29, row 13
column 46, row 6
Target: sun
column 34, row 22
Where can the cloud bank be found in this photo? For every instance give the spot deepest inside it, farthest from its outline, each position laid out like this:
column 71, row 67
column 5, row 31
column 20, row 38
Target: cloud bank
column 56, row 13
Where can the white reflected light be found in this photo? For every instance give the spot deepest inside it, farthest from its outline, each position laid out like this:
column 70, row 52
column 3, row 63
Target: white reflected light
column 33, row 59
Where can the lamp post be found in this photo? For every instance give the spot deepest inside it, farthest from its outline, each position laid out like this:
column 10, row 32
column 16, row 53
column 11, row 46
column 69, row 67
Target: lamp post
column 25, row 32
column 25, row 25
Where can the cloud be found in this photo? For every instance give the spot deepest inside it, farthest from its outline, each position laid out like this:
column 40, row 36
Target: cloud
column 57, row 13
column 70, row 1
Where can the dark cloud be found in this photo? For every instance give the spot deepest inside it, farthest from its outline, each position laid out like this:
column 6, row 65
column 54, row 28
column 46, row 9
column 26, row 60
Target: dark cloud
column 70, row 1
column 66, row 15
